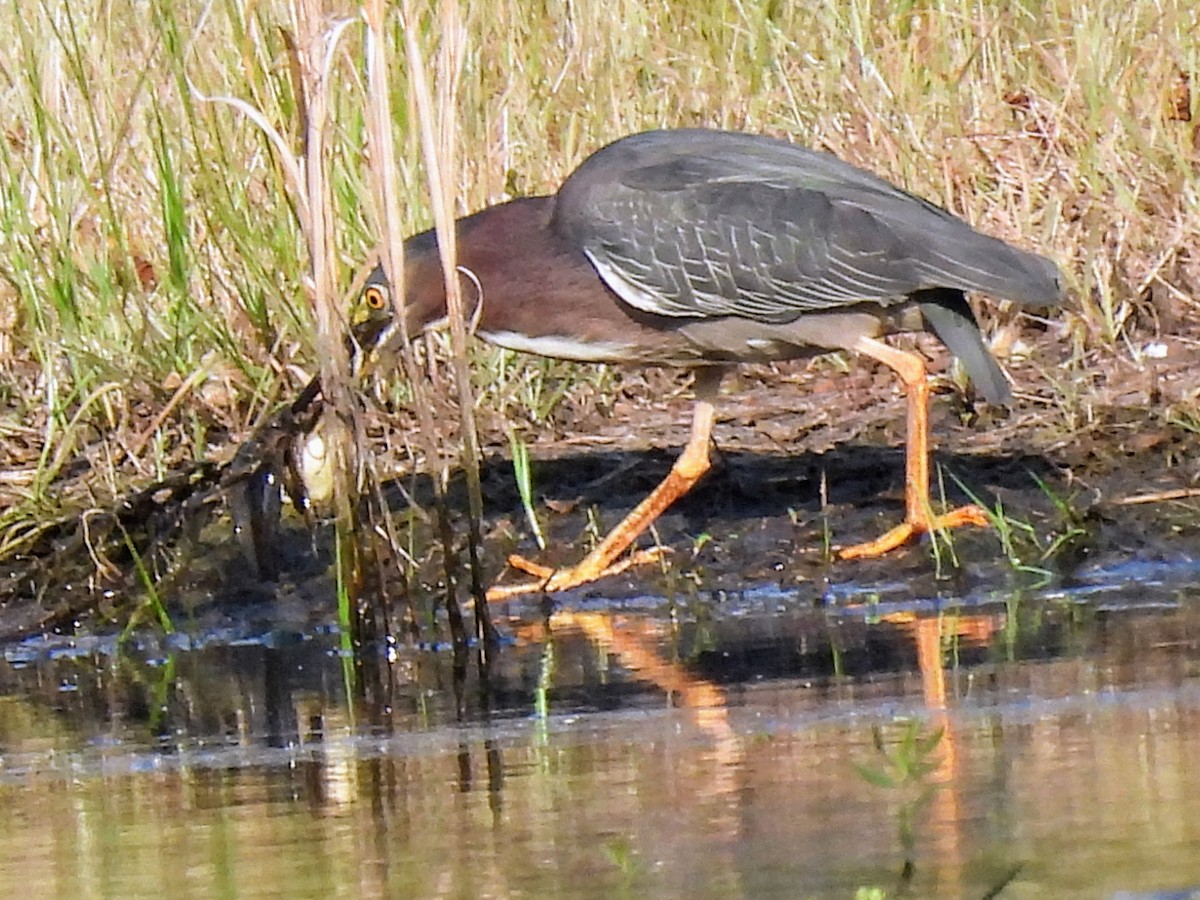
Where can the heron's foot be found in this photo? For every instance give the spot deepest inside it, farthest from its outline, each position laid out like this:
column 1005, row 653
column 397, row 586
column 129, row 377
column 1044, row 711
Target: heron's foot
column 906, row 531
column 547, row 580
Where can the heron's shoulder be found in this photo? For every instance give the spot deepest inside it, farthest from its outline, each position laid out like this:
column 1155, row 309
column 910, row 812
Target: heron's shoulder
column 694, row 158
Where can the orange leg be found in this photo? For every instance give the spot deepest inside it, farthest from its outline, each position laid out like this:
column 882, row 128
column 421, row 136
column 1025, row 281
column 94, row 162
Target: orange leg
column 603, row 560
column 918, row 515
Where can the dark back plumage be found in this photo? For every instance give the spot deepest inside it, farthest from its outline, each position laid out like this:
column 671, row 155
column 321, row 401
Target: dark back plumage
column 710, row 223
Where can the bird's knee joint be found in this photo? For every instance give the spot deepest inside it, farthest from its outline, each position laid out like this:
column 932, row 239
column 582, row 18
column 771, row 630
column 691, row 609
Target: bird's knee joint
column 691, row 466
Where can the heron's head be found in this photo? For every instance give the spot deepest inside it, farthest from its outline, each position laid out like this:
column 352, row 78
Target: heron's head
column 373, row 318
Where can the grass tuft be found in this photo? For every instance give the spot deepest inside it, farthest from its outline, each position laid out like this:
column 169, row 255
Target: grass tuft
column 150, row 238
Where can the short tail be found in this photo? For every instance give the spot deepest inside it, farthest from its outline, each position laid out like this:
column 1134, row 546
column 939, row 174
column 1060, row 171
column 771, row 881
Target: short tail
column 949, row 315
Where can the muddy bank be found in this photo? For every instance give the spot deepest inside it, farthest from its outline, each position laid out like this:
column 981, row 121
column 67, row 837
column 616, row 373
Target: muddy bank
column 1092, row 463
column 1092, row 458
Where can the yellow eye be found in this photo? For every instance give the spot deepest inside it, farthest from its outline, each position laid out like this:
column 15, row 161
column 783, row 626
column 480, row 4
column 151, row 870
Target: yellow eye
column 375, row 297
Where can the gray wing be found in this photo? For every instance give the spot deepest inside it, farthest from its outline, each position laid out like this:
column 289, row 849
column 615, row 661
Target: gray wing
column 703, row 223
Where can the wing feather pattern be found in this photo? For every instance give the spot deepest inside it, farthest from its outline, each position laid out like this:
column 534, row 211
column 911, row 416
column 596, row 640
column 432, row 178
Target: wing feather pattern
column 704, row 223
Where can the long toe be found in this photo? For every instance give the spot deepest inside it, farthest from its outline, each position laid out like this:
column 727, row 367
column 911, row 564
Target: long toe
column 906, row 531
column 886, row 543
column 529, row 567
column 548, row 581
column 963, row 515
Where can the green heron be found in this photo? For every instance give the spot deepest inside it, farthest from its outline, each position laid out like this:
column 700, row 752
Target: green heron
column 705, row 249
column 288, row 451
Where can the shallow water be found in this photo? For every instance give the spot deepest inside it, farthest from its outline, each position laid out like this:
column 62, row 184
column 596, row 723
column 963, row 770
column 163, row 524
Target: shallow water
column 721, row 746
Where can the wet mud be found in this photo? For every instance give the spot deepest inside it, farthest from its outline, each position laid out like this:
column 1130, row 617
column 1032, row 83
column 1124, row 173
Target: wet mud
column 808, row 459
column 727, row 698
column 1091, row 466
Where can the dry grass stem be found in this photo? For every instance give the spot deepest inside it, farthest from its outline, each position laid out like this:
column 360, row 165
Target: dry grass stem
column 438, row 130
column 147, row 235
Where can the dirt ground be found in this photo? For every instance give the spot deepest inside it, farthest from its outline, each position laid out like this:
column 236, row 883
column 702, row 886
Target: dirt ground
column 1095, row 461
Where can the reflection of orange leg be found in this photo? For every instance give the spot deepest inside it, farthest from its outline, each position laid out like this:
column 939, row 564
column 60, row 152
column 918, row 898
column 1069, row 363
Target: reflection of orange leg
column 928, row 632
column 918, row 517
column 638, row 645
column 944, row 812
column 602, row 561
column 642, row 646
